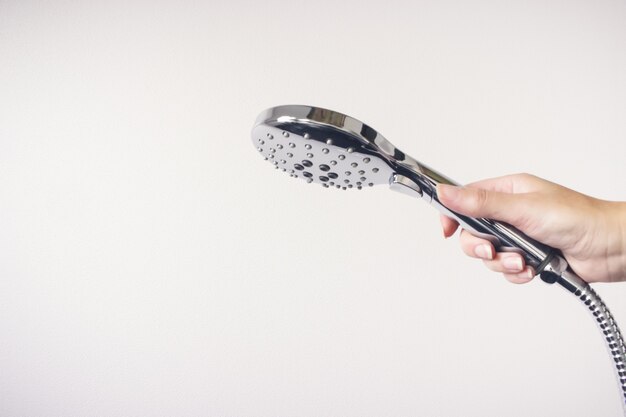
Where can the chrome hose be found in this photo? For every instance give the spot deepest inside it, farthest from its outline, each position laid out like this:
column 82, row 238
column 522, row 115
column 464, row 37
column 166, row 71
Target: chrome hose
column 610, row 331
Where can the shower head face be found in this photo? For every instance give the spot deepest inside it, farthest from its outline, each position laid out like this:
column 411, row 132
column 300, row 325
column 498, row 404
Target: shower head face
column 322, row 146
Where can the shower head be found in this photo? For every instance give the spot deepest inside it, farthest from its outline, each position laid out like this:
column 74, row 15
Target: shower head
column 321, row 147
column 334, row 150
column 331, row 149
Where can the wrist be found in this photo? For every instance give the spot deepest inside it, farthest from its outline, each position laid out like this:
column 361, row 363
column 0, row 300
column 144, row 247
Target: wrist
column 614, row 247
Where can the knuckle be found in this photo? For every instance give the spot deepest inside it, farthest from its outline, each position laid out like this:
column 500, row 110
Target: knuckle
column 481, row 199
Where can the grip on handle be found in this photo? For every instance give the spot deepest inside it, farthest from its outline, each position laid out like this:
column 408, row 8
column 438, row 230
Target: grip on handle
column 503, row 236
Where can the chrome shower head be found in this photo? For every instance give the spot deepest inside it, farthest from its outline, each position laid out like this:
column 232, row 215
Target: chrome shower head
column 321, row 146
column 335, row 150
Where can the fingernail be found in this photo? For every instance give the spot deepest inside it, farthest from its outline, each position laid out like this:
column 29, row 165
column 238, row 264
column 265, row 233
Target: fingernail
column 526, row 275
column 483, row 251
column 512, row 263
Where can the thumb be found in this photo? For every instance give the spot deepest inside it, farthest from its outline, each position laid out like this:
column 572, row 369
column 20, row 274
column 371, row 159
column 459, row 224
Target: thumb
column 478, row 202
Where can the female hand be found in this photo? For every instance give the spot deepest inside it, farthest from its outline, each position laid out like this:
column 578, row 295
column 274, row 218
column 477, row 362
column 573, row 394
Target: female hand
column 591, row 233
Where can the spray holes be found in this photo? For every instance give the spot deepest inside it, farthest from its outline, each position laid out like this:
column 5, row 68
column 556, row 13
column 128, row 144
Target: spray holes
column 323, row 178
column 349, row 185
column 309, row 155
column 332, row 175
column 361, row 172
column 350, row 150
column 292, row 145
column 337, row 186
column 342, row 157
column 346, row 181
column 259, row 149
column 359, row 187
column 282, row 161
column 325, row 185
column 275, row 163
column 354, row 165
column 285, row 134
column 374, row 170
column 272, row 150
column 333, row 163
column 329, row 141
column 270, row 136
column 298, row 167
column 261, row 141
column 366, row 160
column 271, row 156
column 307, row 146
column 279, row 146
column 309, row 180
column 307, row 163
column 371, row 184
column 348, row 173
column 359, row 183
column 307, row 174
column 290, row 155
column 325, row 150
column 307, row 136
column 324, row 167
column 332, row 183
column 362, row 178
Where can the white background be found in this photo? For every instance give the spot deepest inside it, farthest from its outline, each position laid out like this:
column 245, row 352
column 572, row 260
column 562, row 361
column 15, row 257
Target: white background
column 151, row 264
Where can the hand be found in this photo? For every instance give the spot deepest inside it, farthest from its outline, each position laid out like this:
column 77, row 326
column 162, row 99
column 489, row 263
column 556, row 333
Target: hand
column 591, row 233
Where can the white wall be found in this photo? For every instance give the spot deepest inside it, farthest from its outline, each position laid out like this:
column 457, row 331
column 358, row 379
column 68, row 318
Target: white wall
column 151, row 264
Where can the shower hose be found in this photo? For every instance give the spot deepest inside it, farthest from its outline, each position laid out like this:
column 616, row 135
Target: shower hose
column 610, row 331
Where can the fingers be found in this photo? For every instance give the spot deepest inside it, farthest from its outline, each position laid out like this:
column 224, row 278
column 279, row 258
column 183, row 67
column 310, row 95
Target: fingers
column 510, row 264
column 475, row 247
column 522, row 277
column 512, row 184
column 509, row 184
column 448, row 225
column 479, row 202
column 509, row 199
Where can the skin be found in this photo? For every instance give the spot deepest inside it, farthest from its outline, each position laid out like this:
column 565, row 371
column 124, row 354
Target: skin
column 591, row 233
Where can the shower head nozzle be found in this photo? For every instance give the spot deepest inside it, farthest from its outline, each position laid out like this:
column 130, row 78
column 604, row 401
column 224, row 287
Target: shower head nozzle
column 322, row 146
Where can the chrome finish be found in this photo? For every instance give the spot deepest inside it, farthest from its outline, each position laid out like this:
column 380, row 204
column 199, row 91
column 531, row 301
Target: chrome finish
column 405, row 185
column 321, row 146
column 610, row 331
